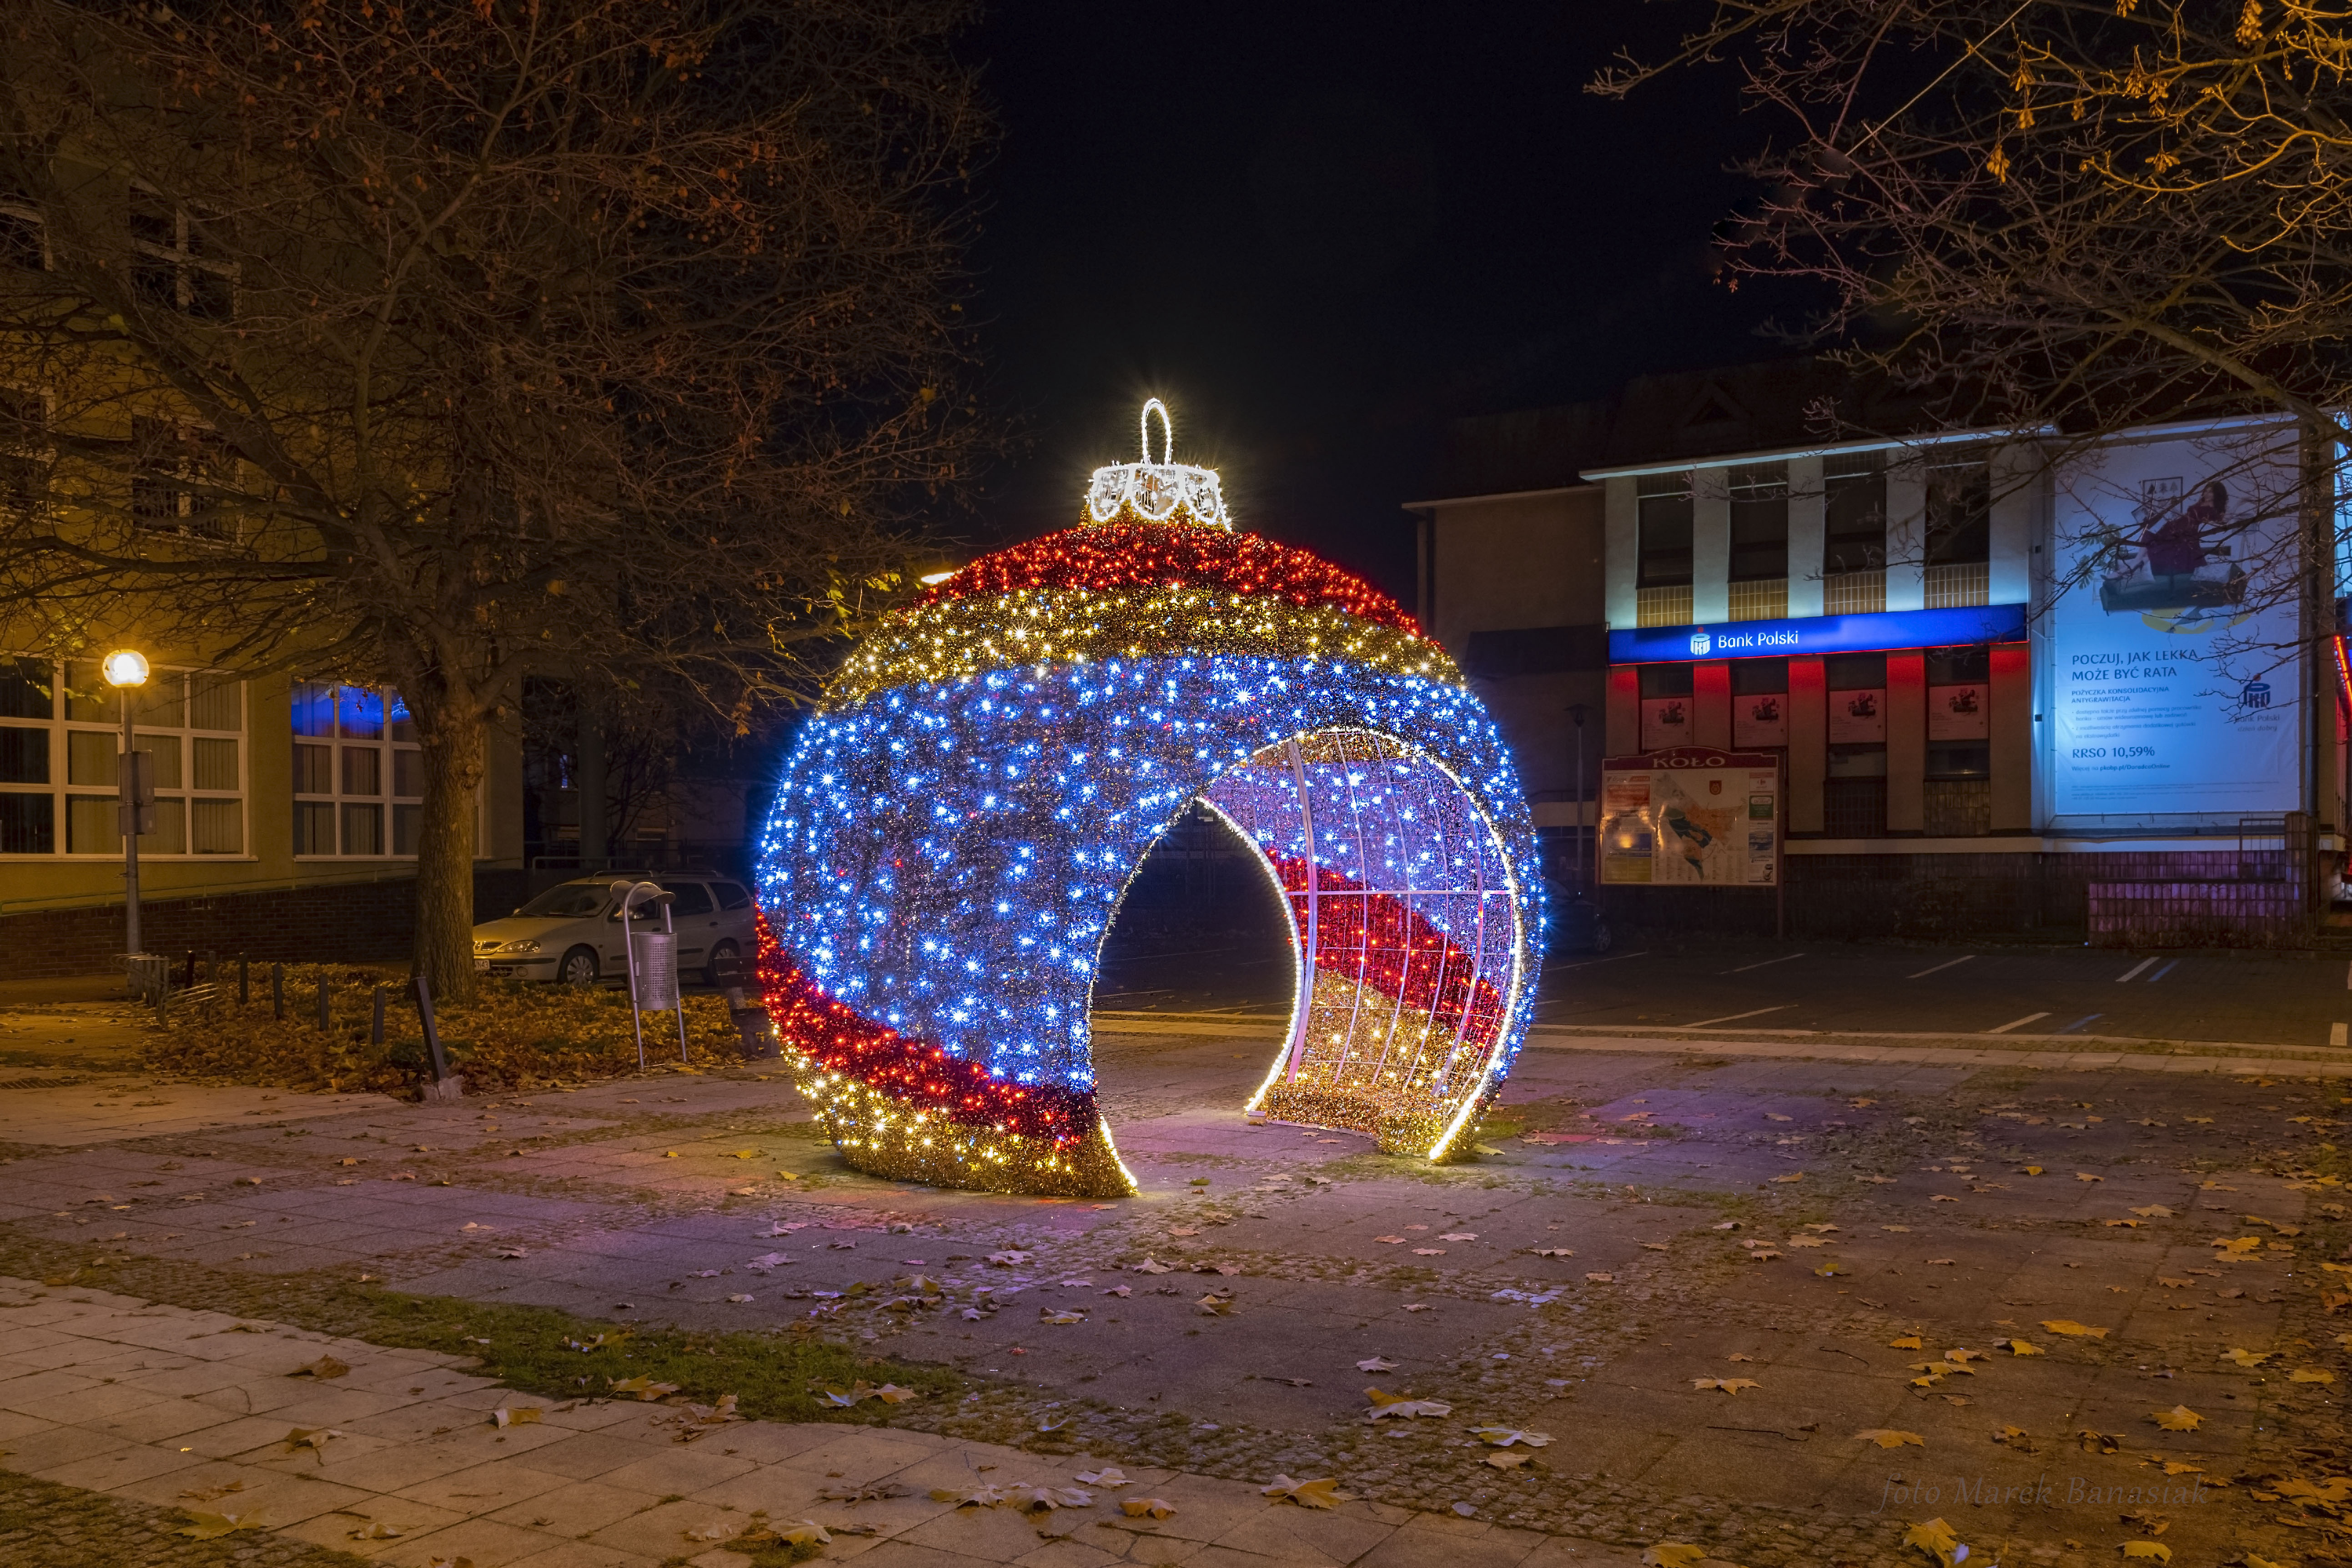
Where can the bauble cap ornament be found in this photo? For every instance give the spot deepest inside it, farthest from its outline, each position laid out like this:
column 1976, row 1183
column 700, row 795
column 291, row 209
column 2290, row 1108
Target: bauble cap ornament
column 1164, row 492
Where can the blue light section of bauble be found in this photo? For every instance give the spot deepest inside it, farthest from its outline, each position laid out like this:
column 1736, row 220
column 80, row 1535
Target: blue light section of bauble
column 946, row 858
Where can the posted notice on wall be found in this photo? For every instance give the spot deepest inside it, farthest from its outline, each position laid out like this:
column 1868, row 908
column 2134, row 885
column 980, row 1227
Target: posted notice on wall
column 1691, row 816
column 2176, row 672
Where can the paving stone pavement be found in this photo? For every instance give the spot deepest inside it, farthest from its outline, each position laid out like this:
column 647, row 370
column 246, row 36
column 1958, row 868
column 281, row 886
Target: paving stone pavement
column 1652, row 1220
column 195, row 1411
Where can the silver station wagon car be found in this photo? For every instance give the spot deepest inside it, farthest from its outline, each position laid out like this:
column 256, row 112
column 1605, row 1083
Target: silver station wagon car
column 571, row 932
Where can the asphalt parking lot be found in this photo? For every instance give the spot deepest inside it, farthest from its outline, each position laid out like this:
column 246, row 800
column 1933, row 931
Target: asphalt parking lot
column 1747, row 986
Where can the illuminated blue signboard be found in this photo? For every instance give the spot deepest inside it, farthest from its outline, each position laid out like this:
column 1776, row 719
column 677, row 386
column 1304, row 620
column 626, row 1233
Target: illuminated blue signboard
column 1804, row 634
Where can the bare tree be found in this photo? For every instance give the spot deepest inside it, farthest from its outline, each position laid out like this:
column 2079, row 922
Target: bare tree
column 433, row 346
column 2064, row 216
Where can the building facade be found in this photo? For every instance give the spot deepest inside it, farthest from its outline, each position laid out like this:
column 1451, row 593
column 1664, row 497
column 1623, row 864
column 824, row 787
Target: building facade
column 2012, row 681
column 285, row 816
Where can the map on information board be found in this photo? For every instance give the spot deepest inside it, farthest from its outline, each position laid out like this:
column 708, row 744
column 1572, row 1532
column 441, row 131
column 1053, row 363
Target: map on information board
column 1691, row 816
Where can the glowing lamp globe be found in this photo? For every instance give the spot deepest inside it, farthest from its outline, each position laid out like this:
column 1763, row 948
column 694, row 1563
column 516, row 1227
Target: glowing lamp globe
column 124, row 667
column 956, row 827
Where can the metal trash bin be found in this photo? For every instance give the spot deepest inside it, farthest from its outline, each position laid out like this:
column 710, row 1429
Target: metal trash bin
column 656, row 973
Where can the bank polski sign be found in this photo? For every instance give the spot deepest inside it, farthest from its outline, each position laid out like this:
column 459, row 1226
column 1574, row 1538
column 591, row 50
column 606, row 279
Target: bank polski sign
column 2175, row 666
column 1874, row 633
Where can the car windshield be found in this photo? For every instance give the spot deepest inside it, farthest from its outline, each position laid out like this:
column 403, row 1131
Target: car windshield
column 566, row 902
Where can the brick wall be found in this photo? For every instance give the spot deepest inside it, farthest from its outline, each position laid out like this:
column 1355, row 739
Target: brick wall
column 351, row 923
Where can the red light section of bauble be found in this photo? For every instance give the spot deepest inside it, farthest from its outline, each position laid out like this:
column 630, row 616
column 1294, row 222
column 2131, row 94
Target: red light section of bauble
column 1123, row 555
column 920, row 1077
column 1380, row 938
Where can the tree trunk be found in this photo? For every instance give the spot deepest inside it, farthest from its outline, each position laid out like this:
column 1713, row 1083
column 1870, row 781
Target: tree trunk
column 451, row 734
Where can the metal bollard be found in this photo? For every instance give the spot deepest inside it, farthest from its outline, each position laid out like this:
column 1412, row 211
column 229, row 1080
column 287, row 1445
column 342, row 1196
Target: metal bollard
column 375, row 1030
column 243, row 983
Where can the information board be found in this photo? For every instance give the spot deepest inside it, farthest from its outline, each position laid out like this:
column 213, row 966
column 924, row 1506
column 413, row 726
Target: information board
column 1691, row 816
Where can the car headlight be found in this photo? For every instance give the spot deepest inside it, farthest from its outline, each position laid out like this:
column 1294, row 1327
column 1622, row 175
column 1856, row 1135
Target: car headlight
column 526, row 944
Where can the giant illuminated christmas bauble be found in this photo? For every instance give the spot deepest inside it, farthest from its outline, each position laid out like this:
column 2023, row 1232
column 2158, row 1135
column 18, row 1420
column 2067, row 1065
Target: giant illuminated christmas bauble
column 956, row 827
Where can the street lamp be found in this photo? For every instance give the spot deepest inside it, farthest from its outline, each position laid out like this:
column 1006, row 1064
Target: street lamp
column 126, row 669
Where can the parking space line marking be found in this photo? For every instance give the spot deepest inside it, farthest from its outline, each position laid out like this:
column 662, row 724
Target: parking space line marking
column 2016, row 1023
column 2080, row 1022
column 1765, row 965
column 2162, row 973
column 2335, row 1035
column 1590, row 962
column 2348, row 977
column 2134, row 970
column 1925, row 973
column 1734, row 1017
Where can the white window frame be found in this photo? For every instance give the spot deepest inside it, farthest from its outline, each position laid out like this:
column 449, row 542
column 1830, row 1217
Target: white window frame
column 62, row 791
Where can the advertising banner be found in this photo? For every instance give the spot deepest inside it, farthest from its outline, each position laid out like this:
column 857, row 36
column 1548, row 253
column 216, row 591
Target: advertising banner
column 1857, row 718
column 1665, row 721
column 2175, row 666
column 1960, row 712
column 1691, row 816
column 1761, row 720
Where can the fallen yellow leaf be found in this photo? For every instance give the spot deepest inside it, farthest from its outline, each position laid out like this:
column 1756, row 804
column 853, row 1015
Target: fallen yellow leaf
column 2179, row 1418
column 1935, row 1538
column 2023, row 1347
column 2245, row 1357
column 1913, row 1342
column 202, row 1526
column 1321, row 1493
column 2311, row 1374
column 1886, row 1437
column 2152, row 1549
column 1674, row 1554
column 1731, row 1386
column 2030, row 1170
column 1146, row 1508
column 2072, row 1330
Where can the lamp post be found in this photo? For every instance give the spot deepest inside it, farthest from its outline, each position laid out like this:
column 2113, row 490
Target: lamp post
column 1577, row 714
column 126, row 669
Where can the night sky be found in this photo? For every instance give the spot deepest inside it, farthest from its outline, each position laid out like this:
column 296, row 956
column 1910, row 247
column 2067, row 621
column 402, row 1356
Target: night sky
column 1319, row 231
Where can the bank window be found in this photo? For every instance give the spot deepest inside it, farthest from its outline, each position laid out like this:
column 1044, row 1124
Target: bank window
column 358, row 773
column 1662, row 520
column 1960, row 510
column 1959, row 530
column 1959, row 666
column 1662, row 510
column 1759, row 522
column 1854, row 492
column 1665, row 680
column 60, row 738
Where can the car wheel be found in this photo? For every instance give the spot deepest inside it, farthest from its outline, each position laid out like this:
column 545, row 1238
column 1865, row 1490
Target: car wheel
column 1604, row 939
column 725, row 966
column 578, row 968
